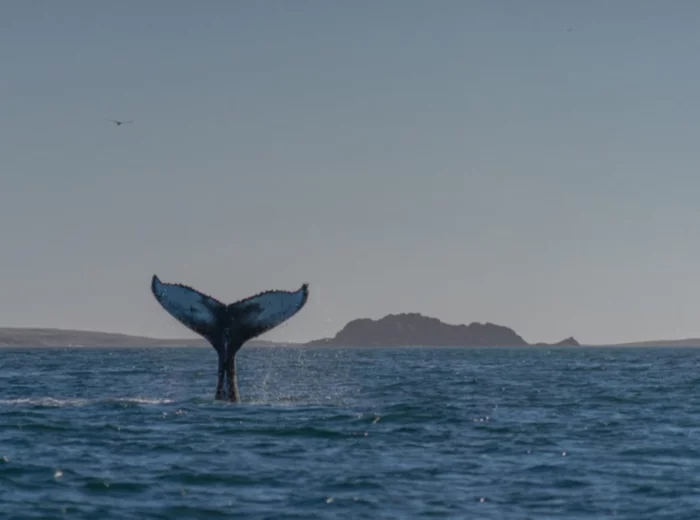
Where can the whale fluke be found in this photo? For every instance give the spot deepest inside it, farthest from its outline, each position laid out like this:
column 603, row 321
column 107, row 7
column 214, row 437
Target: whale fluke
column 228, row 327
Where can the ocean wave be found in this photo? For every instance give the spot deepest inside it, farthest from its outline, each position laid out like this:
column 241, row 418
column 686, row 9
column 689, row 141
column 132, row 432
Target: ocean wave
column 75, row 402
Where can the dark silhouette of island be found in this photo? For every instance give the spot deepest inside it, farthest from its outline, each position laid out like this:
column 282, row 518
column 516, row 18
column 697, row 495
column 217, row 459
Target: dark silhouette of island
column 414, row 329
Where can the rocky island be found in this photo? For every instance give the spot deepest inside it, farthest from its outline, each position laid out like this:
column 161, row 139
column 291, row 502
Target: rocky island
column 414, row 329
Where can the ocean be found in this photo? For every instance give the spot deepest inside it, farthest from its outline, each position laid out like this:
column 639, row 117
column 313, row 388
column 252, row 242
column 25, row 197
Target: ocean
column 487, row 433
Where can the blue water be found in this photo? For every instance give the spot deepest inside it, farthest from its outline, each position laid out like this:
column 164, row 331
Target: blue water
column 488, row 433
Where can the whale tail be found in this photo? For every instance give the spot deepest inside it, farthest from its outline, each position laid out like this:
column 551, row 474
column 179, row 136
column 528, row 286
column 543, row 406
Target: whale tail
column 228, row 327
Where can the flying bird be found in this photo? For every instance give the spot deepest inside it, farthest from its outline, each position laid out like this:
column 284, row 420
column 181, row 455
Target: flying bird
column 119, row 122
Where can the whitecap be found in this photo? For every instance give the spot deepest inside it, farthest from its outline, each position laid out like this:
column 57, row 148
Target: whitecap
column 55, row 402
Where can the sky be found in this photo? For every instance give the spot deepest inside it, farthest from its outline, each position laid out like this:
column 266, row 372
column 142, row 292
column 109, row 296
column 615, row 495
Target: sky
column 531, row 164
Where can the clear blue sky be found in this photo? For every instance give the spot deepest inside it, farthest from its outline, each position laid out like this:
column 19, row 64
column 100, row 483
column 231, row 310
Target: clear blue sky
column 473, row 161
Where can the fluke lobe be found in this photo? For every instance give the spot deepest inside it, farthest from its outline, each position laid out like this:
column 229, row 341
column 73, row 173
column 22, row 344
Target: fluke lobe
column 228, row 327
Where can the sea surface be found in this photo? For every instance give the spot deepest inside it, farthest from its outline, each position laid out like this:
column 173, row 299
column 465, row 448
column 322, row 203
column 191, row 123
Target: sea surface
column 487, row 433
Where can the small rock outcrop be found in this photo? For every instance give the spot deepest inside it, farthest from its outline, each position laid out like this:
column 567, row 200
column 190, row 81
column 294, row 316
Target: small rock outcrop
column 568, row 342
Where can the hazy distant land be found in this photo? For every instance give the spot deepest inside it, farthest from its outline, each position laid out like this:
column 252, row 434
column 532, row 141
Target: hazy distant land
column 411, row 329
column 687, row 342
column 38, row 337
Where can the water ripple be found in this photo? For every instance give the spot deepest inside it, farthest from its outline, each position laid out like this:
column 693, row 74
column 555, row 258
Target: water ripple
column 351, row 433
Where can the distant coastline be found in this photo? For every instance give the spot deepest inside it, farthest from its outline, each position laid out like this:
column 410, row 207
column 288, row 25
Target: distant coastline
column 408, row 329
column 45, row 337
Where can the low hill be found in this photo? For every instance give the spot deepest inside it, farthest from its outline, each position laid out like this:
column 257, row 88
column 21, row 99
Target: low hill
column 688, row 342
column 30, row 337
